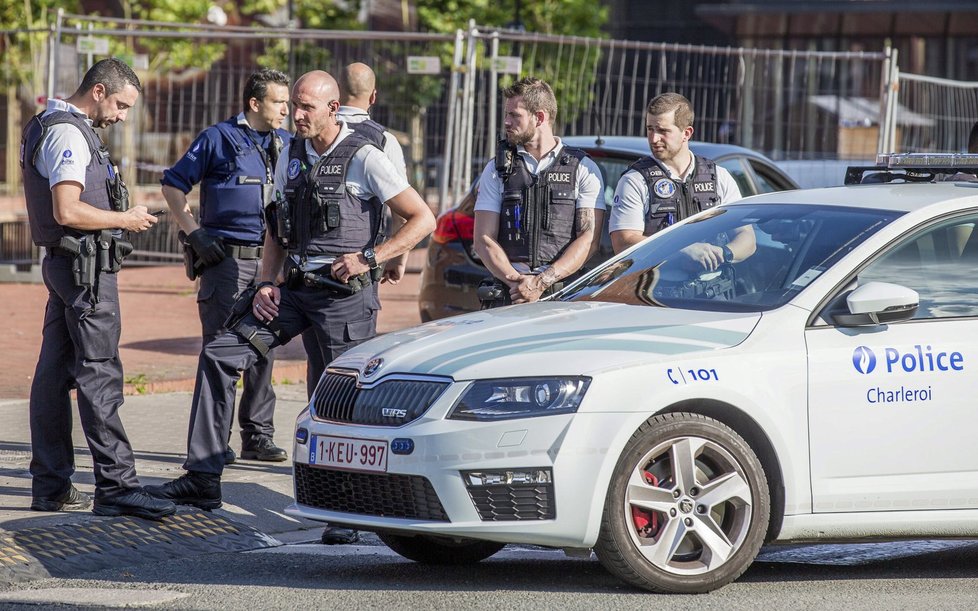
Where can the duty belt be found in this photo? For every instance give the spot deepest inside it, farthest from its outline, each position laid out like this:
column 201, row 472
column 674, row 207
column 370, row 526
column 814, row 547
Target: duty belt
column 243, row 252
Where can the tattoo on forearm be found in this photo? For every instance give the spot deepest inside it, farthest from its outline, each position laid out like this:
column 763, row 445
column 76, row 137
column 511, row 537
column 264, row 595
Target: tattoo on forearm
column 548, row 277
column 585, row 220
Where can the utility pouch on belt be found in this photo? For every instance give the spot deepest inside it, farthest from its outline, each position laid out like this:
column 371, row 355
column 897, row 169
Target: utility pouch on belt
column 112, row 251
column 191, row 262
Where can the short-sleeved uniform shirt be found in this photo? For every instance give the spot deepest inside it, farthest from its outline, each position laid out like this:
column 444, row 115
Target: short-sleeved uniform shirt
column 392, row 148
column 207, row 152
column 631, row 203
column 370, row 174
column 63, row 155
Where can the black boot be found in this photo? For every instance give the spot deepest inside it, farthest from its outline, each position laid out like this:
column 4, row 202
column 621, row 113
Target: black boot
column 134, row 502
column 202, row 490
column 71, row 500
column 261, row 447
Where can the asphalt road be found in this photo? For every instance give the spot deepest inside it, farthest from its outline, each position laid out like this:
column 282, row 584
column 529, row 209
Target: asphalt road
column 370, row 576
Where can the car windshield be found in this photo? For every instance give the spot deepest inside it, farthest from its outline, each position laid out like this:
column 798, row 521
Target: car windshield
column 794, row 245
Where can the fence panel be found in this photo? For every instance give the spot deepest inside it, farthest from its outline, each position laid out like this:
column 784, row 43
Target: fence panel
column 934, row 115
column 787, row 104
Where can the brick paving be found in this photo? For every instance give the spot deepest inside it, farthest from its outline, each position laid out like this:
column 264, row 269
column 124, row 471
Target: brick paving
column 160, row 329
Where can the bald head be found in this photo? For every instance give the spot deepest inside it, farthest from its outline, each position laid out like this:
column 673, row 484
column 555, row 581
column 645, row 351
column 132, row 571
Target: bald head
column 319, row 84
column 315, row 100
column 358, row 85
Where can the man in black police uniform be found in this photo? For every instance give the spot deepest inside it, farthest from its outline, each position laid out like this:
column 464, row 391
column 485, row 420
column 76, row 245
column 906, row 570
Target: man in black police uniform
column 672, row 184
column 78, row 208
column 358, row 92
column 235, row 162
column 333, row 185
column 540, row 203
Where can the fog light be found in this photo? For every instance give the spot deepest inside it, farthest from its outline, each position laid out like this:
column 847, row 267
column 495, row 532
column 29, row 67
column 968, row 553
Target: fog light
column 516, row 476
column 301, row 436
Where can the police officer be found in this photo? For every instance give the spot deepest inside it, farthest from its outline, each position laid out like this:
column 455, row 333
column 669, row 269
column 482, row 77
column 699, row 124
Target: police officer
column 78, row 208
column 333, row 185
column 234, row 161
column 539, row 204
column 358, row 92
column 672, row 184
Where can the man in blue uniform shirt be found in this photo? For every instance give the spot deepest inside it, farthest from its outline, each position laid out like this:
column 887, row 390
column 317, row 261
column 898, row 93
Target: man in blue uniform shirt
column 334, row 185
column 234, row 162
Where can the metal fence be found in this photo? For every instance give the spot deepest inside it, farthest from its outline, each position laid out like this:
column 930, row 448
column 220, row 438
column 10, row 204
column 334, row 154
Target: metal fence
column 933, row 115
column 788, row 104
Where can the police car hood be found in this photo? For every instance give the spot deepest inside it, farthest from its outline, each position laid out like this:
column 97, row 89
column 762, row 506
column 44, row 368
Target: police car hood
column 547, row 338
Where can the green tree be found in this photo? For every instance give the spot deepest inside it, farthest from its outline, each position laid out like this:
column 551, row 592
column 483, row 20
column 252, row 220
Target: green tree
column 23, row 54
column 569, row 69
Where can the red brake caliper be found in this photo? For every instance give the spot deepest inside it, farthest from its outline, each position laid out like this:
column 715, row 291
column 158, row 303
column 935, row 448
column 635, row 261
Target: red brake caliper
column 646, row 522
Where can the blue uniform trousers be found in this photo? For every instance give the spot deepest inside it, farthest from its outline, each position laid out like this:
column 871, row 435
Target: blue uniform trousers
column 80, row 349
column 220, row 286
column 338, row 323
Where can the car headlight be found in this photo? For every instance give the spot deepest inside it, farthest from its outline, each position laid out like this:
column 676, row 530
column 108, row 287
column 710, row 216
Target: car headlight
column 520, row 398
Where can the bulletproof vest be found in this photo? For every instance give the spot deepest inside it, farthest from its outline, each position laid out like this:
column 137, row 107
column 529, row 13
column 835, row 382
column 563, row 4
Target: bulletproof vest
column 371, row 130
column 375, row 133
column 233, row 195
column 671, row 200
column 45, row 231
column 536, row 221
column 326, row 218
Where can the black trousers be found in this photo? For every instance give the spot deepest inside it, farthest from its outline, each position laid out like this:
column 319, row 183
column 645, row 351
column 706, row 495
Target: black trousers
column 338, row 325
column 220, row 285
column 79, row 348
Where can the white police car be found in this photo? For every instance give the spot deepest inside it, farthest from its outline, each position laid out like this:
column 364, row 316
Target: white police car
column 672, row 419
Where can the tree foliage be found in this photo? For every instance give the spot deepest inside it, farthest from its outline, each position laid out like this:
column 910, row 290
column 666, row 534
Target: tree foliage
column 570, row 17
column 22, row 54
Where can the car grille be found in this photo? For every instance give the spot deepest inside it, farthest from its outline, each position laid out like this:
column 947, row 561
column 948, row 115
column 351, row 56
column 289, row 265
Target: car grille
column 340, row 399
column 514, row 502
column 373, row 494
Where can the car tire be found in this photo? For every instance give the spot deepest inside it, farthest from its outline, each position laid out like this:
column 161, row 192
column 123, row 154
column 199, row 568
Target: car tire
column 440, row 550
column 686, row 530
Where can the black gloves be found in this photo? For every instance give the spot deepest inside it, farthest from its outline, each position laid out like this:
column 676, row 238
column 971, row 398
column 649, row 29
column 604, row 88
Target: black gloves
column 210, row 250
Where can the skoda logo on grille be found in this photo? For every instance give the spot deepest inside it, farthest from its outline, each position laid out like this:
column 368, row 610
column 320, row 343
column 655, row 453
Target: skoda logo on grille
column 372, row 366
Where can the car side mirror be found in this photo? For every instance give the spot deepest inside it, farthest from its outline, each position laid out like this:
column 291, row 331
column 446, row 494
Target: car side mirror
column 878, row 303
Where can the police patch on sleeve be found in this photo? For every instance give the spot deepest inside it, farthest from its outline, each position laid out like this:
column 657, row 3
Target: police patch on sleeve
column 293, row 168
column 664, row 188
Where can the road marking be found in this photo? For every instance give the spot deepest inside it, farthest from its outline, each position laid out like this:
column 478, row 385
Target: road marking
column 99, row 597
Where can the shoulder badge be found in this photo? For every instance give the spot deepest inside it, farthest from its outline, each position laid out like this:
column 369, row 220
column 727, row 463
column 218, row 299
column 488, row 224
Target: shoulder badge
column 664, row 188
column 294, row 168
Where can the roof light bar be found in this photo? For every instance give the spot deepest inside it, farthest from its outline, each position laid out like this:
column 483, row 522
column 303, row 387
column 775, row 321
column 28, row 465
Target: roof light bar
column 927, row 160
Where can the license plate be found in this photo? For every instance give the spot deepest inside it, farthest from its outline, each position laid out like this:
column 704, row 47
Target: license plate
column 349, row 453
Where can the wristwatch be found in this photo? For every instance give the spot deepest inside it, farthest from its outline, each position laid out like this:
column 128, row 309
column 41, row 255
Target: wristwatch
column 368, row 254
column 728, row 255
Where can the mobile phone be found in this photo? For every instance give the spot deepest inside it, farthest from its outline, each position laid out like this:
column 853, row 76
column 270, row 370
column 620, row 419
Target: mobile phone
column 158, row 213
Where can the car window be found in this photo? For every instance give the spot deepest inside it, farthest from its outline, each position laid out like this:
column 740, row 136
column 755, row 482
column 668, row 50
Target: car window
column 736, row 168
column 795, row 244
column 939, row 263
column 767, row 178
column 612, row 168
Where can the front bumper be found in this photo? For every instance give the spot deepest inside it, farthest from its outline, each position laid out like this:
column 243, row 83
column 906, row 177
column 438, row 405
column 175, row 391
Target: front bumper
column 426, row 491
